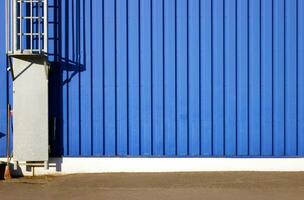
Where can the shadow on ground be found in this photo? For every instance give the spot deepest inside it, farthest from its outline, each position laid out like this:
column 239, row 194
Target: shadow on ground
column 14, row 173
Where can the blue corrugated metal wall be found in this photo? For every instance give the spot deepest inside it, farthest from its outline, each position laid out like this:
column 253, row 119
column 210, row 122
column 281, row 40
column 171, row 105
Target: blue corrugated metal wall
column 175, row 78
column 3, row 94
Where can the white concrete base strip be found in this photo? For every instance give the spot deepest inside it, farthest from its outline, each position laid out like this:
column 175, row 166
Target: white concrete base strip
column 67, row 165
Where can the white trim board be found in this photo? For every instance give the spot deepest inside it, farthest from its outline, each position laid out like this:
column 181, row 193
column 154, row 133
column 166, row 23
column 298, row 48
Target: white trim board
column 67, row 165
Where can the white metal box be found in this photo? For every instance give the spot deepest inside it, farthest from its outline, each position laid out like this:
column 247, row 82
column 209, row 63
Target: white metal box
column 30, row 109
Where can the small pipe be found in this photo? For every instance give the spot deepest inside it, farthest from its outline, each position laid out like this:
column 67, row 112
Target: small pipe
column 8, row 134
column 7, row 173
column 8, row 113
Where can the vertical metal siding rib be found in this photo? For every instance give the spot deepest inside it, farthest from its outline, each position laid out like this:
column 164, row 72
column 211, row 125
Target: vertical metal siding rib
column 73, row 79
column 284, row 77
column 145, row 63
column 218, row 81
column 97, row 78
column 291, row 78
column 133, row 77
column 164, row 89
column 139, row 77
column 63, row 64
column 266, row 78
column 255, row 78
column 115, row 32
column 278, row 78
column 103, row 80
column 85, row 91
column 127, row 63
column 200, row 78
column 300, row 52
column 230, row 77
column 181, row 34
column 109, row 87
column 157, row 81
column 297, row 78
column 169, row 80
column 194, row 111
column 206, row 77
column 187, row 94
column 122, row 105
column 152, row 73
column 242, row 79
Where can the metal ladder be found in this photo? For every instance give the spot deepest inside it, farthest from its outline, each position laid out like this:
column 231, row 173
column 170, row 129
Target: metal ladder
column 26, row 27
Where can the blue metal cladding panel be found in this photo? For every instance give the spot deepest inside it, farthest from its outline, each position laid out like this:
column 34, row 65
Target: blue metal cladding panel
column 3, row 93
column 209, row 78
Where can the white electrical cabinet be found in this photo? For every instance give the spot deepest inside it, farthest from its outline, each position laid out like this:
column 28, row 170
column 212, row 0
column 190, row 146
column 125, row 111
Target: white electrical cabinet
column 30, row 114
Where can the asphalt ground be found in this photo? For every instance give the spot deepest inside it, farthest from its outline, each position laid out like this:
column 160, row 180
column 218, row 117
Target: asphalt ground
column 150, row 186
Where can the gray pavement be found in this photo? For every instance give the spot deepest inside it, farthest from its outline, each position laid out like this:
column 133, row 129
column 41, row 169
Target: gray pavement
column 167, row 186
